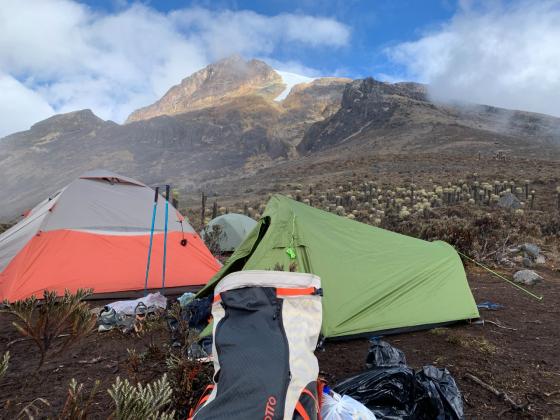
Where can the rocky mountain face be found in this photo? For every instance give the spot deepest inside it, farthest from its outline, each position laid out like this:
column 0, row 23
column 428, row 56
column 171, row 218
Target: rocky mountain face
column 221, row 121
column 401, row 118
column 227, row 121
column 215, row 84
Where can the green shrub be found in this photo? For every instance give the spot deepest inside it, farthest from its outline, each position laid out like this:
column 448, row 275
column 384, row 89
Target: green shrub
column 55, row 323
column 148, row 402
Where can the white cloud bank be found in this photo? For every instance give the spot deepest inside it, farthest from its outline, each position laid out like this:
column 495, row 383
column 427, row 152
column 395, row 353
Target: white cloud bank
column 501, row 55
column 20, row 105
column 60, row 55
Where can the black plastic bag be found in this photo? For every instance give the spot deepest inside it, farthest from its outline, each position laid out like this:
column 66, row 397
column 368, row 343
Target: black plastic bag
column 392, row 390
column 382, row 353
column 197, row 312
column 442, row 398
column 387, row 391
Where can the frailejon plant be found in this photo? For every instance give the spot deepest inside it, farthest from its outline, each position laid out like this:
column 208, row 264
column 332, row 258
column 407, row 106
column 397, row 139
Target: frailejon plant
column 77, row 403
column 55, row 323
column 148, row 402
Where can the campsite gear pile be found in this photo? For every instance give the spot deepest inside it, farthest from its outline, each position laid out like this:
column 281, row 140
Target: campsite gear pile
column 129, row 307
column 130, row 315
column 266, row 328
column 391, row 389
column 373, row 280
column 95, row 233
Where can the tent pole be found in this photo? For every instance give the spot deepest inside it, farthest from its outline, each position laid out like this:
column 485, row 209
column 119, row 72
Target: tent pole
column 151, row 241
column 167, row 188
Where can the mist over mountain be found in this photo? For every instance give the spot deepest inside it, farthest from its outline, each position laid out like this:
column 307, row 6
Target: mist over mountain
column 237, row 116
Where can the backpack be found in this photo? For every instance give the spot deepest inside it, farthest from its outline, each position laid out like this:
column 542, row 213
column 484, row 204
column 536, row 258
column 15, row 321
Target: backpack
column 266, row 328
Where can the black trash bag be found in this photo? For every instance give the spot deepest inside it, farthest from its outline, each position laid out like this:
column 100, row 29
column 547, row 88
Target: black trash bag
column 382, row 353
column 442, row 399
column 197, row 312
column 392, row 390
column 389, row 391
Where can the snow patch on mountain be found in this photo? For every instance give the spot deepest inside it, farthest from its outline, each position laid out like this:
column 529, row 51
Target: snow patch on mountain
column 291, row 79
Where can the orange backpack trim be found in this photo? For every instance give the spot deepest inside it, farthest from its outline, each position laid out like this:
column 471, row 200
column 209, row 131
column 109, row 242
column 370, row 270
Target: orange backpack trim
column 281, row 291
column 203, row 398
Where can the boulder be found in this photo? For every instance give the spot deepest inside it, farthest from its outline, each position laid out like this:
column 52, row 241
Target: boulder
column 527, row 277
column 531, row 249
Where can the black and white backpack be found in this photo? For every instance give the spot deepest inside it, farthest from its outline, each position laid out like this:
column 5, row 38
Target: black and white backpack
column 266, row 328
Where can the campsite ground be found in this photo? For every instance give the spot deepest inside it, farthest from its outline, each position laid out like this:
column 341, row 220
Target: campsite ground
column 519, row 358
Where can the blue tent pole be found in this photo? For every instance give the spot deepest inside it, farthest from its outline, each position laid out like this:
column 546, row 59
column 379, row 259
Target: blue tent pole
column 151, row 241
column 165, row 235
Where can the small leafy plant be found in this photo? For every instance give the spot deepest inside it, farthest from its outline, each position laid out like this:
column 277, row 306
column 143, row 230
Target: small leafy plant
column 179, row 327
column 67, row 318
column 213, row 236
column 187, row 378
column 77, row 403
column 4, row 362
column 149, row 402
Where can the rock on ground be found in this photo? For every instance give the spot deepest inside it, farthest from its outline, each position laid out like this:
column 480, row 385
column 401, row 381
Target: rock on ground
column 527, row 277
column 531, row 249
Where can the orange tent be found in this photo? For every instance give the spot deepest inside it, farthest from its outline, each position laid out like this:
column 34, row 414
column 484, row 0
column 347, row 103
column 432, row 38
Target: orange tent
column 94, row 233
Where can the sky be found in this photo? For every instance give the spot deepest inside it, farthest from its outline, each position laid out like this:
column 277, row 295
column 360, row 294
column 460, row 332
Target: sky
column 114, row 56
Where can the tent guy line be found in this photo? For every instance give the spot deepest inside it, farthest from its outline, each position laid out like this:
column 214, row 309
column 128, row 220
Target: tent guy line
column 500, row 276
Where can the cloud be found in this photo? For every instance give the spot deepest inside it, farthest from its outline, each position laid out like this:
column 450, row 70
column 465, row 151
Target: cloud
column 20, row 107
column 292, row 66
column 67, row 56
column 247, row 32
column 496, row 54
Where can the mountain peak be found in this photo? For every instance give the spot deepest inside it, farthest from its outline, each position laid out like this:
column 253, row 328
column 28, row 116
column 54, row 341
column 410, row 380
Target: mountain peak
column 82, row 117
column 224, row 80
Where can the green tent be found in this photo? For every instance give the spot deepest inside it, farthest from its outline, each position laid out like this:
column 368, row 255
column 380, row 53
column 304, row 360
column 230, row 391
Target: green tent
column 373, row 280
column 234, row 228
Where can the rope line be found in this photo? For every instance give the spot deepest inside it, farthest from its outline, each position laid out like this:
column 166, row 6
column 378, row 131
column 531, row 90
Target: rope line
column 502, row 277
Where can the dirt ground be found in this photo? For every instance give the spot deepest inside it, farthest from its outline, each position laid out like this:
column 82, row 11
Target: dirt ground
column 523, row 361
column 520, row 358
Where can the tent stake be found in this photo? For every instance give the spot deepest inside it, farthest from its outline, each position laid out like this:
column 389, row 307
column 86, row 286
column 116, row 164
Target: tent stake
column 500, row 276
column 167, row 187
column 151, row 241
